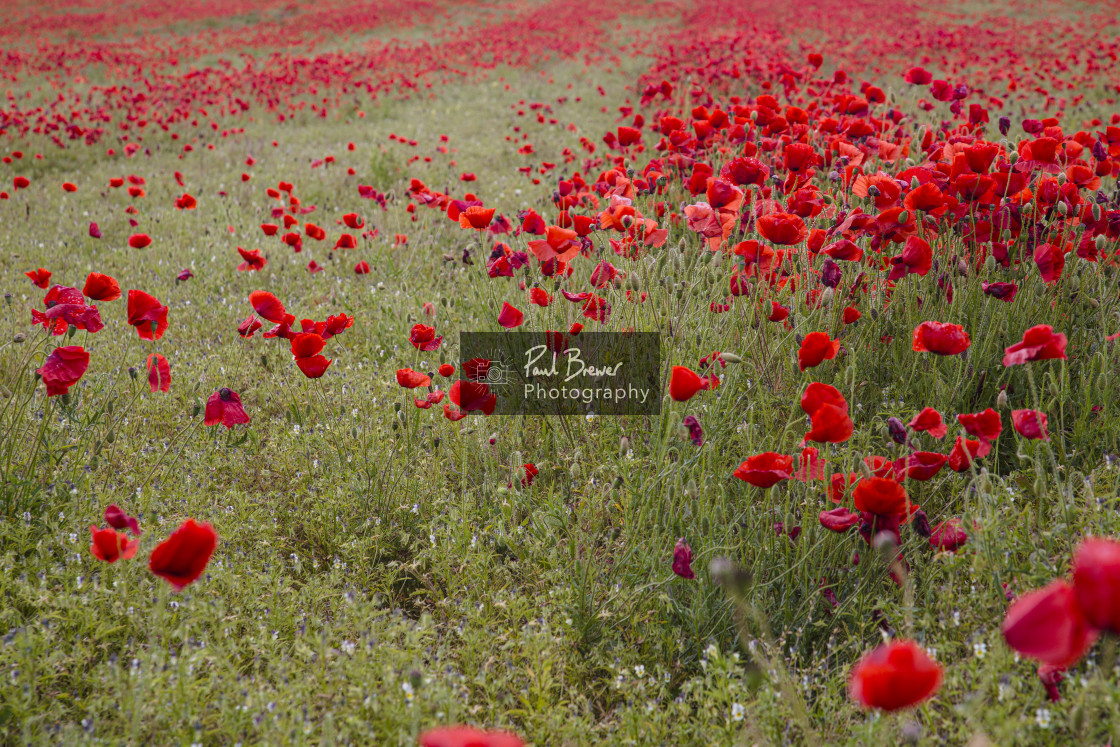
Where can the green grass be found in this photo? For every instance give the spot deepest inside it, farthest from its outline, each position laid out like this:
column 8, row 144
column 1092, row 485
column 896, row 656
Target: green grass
column 378, row 573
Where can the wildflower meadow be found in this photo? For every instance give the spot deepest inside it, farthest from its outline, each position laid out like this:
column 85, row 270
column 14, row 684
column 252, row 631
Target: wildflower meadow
column 527, row 372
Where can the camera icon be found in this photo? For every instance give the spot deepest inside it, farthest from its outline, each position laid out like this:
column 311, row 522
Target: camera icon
column 497, row 373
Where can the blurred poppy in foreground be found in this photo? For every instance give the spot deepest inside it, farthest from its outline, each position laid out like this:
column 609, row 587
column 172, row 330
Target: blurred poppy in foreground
column 893, row 676
column 181, row 558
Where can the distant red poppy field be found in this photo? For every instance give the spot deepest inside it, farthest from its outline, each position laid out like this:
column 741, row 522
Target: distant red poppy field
column 540, row 373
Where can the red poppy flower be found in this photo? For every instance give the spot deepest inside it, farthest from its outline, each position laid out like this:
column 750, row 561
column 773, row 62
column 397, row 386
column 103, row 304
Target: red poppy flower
column 306, row 348
column 346, row 241
column 94, row 231
column 838, row 484
column 453, row 415
column 682, row 560
column 224, row 406
column 941, row 338
column 880, row 496
column 159, row 373
column 844, row 250
column 851, row 315
column 684, row 383
column 147, row 315
column 765, row 470
column 920, row 466
column 777, row 312
column 313, row 231
column 986, row 426
column 948, row 536
column 40, row 277
column 964, row 453
column 476, row 217
column 410, row 379
column 782, row 228
column 110, row 546
column 560, row 244
column 118, row 519
column 424, row 338
column 1051, row 261
column 139, row 240
column 916, row 259
column 249, row 326
column 1049, row 625
column 101, row 287
column 186, row 202
column 893, row 676
column 539, row 297
column 510, row 316
column 465, row 736
column 1039, row 343
column 1096, row 582
column 473, row 396
column 268, row 306
column 63, row 368
column 929, row 420
column 253, row 260
column 362, row 268
column 1030, row 424
column 815, row 349
column 838, row 519
column 817, row 395
column 446, row 370
column 269, row 229
column 1003, row 291
column 181, row 558
column 21, row 182
column 830, row 424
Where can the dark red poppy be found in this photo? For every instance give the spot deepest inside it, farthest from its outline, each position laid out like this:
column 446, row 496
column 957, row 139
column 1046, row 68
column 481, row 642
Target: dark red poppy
column 269, row 229
column 896, row 675
column 306, row 348
column 510, row 316
column 929, row 420
column 473, row 396
column 1003, row 291
column 941, row 338
column 838, row 519
column 777, row 312
column 181, row 558
column 224, row 406
column 1096, row 582
column 851, row 315
column 159, row 373
column 362, row 268
column 94, row 230
column 110, row 546
column 63, row 368
column 1039, row 343
column 815, row 349
column 147, row 315
column 424, row 338
column 353, row 220
column 101, row 287
column 1049, row 625
column 1030, row 424
column 118, row 519
column 140, row 241
column 948, row 536
column 765, row 470
column 682, row 560
column 465, row 736
column 40, row 277
column 920, row 466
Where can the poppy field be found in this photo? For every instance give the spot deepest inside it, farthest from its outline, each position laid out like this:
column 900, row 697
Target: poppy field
column 252, row 493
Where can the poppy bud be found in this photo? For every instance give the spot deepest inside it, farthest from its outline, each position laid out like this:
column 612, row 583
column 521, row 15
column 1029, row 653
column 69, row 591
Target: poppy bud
column 195, row 410
column 1013, row 158
column 414, row 679
column 826, row 297
column 897, row 430
column 730, row 358
column 921, row 523
column 1004, row 125
column 865, row 469
column 19, row 338
column 1100, row 243
column 904, row 216
column 830, row 273
column 132, row 372
column 623, row 446
column 874, row 191
column 1063, row 208
column 66, row 398
column 1001, row 400
column 575, row 471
